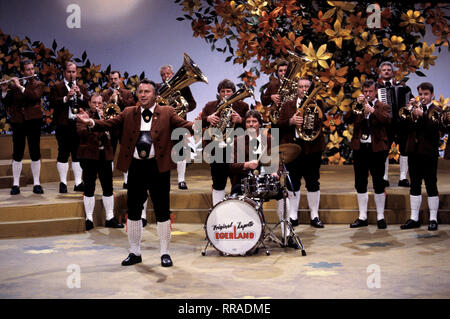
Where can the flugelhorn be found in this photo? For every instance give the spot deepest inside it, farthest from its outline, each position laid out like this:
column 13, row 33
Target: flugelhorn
column 406, row 112
column 440, row 116
column 169, row 92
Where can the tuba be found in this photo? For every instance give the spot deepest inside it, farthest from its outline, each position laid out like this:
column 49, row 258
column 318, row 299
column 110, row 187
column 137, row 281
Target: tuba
column 111, row 110
column 288, row 86
column 224, row 111
column 406, row 112
column 169, row 92
column 311, row 113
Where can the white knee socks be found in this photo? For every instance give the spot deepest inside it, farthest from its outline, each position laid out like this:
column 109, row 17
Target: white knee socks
column 108, row 204
column 403, row 167
column 380, row 200
column 36, row 170
column 415, row 206
column 164, row 232
column 135, row 236
column 144, row 210
column 77, row 172
column 217, row 196
column 313, row 203
column 433, row 205
column 294, row 201
column 63, row 168
column 386, row 169
column 181, row 169
column 89, row 204
column 16, row 169
column 363, row 199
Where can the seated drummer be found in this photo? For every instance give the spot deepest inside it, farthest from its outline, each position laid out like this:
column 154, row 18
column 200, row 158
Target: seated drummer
column 259, row 144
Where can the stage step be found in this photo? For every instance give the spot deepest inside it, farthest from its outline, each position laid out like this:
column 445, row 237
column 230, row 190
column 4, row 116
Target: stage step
column 49, row 147
column 7, row 181
column 42, row 227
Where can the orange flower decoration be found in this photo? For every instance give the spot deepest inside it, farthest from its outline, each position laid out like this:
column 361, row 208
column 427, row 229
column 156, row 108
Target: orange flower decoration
column 332, row 76
column 332, row 121
column 366, row 64
column 200, row 28
column 336, row 159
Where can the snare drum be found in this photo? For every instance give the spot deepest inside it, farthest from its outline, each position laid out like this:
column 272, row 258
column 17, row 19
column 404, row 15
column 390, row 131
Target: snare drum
column 235, row 226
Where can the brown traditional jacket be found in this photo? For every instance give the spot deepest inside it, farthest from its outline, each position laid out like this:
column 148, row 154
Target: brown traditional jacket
column 90, row 142
column 27, row 105
column 287, row 131
column 163, row 122
column 61, row 109
column 379, row 122
column 126, row 98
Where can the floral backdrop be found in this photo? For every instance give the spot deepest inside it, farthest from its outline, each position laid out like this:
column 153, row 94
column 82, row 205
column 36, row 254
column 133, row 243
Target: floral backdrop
column 344, row 42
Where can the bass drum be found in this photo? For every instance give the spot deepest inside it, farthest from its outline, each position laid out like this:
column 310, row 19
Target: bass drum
column 235, row 226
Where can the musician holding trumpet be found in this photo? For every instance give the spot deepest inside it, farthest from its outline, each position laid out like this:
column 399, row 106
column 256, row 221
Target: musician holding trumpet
column 96, row 155
column 422, row 147
column 67, row 97
column 370, row 147
column 23, row 99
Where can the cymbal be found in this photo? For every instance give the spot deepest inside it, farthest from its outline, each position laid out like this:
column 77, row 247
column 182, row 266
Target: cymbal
column 288, row 152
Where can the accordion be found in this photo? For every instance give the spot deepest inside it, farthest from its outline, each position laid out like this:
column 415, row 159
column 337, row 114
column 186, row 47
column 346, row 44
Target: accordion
column 385, row 96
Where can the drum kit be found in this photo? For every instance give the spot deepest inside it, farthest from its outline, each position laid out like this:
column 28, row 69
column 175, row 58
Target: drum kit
column 236, row 226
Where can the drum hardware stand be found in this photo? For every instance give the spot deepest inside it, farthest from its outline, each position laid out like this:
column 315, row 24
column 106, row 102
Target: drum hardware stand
column 285, row 221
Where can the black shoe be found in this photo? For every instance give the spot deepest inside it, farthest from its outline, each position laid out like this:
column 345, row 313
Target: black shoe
column 381, row 224
column 316, row 222
column 37, row 189
column 410, row 224
column 15, row 190
column 386, row 183
column 113, row 223
column 404, row 183
column 125, row 186
column 166, row 261
column 433, row 225
column 144, row 222
column 89, row 224
column 131, row 260
column 294, row 222
column 182, row 185
column 62, row 188
column 359, row 223
column 79, row 187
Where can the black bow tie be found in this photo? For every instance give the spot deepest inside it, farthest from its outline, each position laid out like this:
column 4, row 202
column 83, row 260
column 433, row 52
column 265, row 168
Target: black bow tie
column 147, row 115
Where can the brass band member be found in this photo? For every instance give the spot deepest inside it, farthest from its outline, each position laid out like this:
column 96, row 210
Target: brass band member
column 422, row 148
column 398, row 94
column 166, row 72
column 220, row 171
column 24, row 107
column 145, row 152
column 67, row 97
column 270, row 94
column 96, row 155
column 307, row 164
column 117, row 94
column 370, row 148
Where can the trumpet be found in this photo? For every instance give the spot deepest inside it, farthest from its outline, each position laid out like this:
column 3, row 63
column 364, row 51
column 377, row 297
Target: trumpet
column 406, row 112
column 358, row 108
column 74, row 101
column 22, row 78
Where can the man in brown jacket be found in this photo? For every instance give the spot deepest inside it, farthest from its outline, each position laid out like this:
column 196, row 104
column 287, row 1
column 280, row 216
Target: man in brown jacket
column 117, row 94
column 270, row 95
column 370, row 146
column 220, row 171
column 24, row 107
column 145, row 152
column 66, row 98
column 96, row 155
column 422, row 147
column 307, row 164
